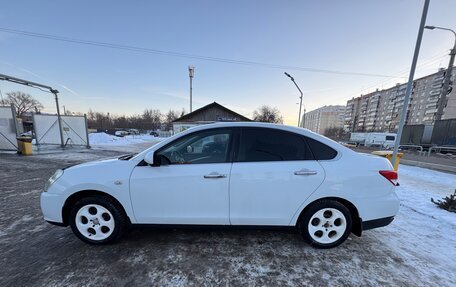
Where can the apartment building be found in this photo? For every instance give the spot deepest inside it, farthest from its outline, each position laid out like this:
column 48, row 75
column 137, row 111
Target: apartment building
column 325, row 117
column 380, row 110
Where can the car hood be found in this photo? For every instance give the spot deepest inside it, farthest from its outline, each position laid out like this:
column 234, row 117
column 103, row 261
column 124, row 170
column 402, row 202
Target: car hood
column 95, row 163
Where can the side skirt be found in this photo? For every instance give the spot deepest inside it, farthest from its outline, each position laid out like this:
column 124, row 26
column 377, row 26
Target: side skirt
column 214, row 227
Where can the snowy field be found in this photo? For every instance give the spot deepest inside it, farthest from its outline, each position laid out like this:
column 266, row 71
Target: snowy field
column 417, row 249
column 104, row 139
column 130, row 143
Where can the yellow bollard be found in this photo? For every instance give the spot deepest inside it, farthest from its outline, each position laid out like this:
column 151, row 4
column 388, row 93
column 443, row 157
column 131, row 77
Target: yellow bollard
column 389, row 155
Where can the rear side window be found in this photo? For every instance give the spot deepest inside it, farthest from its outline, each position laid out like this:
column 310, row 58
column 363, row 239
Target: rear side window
column 263, row 144
column 321, row 151
column 390, row 138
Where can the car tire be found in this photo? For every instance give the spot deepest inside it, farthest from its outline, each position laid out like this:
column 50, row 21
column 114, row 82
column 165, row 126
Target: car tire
column 326, row 224
column 97, row 220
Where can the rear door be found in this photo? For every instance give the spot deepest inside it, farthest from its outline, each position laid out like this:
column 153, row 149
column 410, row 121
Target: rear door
column 273, row 174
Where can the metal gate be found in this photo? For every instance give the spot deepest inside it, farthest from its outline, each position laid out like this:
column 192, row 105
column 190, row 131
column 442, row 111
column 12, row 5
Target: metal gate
column 74, row 130
column 8, row 128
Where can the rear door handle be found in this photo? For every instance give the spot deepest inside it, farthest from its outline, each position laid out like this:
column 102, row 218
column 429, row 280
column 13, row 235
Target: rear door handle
column 215, row 175
column 305, row 172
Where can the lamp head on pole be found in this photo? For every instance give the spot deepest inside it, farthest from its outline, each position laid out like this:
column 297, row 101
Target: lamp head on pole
column 289, row 76
column 429, row 27
column 191, row 71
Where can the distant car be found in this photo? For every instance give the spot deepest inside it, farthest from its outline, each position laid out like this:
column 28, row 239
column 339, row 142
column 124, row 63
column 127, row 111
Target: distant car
column 384, row 140
column 121, row 133
column 228, row 174
column 350, row 144
column 133, row 132
column 155, row 134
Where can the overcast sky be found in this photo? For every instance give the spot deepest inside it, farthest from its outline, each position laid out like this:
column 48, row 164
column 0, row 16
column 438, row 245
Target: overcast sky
column 368, row 37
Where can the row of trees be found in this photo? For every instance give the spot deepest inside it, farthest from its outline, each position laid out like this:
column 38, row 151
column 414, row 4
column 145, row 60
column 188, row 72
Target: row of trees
column 153, row 119
column 150, row 119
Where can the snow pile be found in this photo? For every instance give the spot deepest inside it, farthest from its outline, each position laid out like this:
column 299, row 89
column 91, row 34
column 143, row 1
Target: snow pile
column 419, row 185
column 104, row 139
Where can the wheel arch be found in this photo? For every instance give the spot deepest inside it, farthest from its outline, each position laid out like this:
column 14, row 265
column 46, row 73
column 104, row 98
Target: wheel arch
column 357, row 222
column 75, row 197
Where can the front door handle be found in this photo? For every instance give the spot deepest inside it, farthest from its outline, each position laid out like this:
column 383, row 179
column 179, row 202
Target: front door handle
column 305, row 172
column 215, row 175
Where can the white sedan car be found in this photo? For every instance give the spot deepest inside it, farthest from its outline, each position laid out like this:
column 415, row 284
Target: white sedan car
column 228, row 174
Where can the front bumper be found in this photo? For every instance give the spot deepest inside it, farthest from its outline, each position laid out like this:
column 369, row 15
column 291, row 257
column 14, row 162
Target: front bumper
column 51, row 207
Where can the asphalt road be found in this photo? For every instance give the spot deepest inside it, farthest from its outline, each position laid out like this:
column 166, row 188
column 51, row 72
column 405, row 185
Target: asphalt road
column 35, row 253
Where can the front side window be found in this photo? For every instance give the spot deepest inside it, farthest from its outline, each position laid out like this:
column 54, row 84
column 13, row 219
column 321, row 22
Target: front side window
column 201, row 147
column 262, row 144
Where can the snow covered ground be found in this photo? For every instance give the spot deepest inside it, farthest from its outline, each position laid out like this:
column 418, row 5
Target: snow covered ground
column 423, row 235
column 130, row 143
column 419, row 185
column 104, row 139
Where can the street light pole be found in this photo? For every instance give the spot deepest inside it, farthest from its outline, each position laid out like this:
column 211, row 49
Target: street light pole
column 191, row 72
column 300, row 102
column 446, row 82
column 304, row 118
column 408, row 92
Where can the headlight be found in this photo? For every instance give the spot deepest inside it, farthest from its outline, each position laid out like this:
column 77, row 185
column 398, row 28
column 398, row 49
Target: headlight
column 58, row 173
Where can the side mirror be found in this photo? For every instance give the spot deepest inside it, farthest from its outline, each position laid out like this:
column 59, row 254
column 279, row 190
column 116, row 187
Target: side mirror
column 149, row 158
column 189, row 149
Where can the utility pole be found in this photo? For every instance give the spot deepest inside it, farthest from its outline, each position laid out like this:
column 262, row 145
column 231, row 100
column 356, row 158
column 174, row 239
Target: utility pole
column 191, row 72
column 446, row 82
column 408, row 92
column 300, row 102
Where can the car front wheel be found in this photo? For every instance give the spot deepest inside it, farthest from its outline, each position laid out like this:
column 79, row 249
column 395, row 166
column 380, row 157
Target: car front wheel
column 326, row 224
column 97, row 220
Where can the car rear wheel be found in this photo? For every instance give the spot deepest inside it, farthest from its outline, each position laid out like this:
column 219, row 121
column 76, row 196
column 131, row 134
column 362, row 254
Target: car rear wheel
column 97, row 220
column 326, row 224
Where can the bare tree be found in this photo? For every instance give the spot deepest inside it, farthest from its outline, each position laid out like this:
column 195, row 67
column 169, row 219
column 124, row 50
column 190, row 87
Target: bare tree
column 267, row 114
column 170, row 117
column 22, row 102
column 335, row 133
column 151, row 119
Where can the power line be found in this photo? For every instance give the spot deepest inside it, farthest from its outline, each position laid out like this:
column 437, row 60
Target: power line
column 373, row 85
column 185, row 55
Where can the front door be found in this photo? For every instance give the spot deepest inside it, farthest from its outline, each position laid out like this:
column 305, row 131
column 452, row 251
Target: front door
column 190, row 186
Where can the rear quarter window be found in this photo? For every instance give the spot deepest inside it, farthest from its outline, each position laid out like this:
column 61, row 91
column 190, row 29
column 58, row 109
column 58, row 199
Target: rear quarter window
column 320, row 150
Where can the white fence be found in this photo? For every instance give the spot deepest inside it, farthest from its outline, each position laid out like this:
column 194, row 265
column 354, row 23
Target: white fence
column 8, row 126
column 74, row 130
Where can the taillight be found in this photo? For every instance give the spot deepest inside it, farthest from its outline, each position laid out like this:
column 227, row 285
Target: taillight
column 390, row 175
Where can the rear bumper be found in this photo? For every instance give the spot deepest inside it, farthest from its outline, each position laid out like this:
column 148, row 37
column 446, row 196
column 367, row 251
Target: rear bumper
column 371, row 224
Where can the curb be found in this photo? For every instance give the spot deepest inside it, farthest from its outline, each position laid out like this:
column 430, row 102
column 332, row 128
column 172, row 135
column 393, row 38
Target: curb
column 434, row 166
